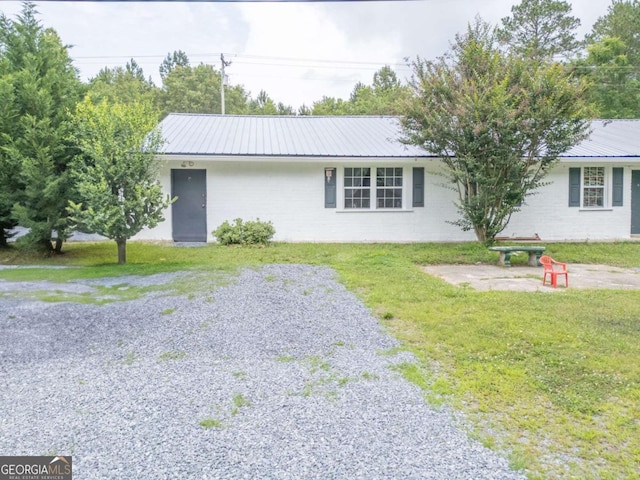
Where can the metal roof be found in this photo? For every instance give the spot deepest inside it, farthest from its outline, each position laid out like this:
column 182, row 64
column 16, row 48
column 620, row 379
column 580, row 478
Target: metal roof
column 609, row 139
column 343, row 136
column 285, row 136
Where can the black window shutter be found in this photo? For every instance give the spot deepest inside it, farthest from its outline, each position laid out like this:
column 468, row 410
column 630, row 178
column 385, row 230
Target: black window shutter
column 329, row 188
column 618, row 182
column 574, row 187
column 418, row 187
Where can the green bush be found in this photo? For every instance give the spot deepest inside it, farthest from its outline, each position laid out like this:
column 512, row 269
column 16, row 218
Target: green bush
column 244, row 233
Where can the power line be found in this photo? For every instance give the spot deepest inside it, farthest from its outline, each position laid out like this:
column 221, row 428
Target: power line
column 236, row 56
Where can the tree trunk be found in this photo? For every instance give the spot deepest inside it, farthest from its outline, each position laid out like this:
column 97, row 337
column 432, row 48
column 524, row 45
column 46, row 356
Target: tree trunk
column 46, row 245
column 122, row 250
column 481, row 233
column 58, row 247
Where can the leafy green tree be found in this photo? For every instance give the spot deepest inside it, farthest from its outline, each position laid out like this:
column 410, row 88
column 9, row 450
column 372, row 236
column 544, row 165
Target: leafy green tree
column 497, row 122
column 285, row 109
column 540, row 29
column 304, row 110
column 329, row 106
column 614, row 88
column 386, row 96
column 172, row 61
column 45, row 87
column 622, row 21
column 262, row 105
column 197, row 90
column 123, row 85
column 116, row 173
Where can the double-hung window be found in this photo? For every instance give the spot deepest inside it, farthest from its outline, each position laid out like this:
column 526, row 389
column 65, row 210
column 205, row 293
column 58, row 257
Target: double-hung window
column 596, row 187
column 357, row 188
column 386, row 189
column 593, row 187
column 389, row 187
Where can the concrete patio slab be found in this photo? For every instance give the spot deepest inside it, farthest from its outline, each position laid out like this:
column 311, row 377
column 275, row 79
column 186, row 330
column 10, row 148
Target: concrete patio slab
column 524, row 278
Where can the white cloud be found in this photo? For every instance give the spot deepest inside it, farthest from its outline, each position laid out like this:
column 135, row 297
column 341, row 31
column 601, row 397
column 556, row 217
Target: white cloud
column 352, row 32
column 305, row 32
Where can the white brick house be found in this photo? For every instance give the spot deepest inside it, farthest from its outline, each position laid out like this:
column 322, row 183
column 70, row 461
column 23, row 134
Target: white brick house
column 349, row 179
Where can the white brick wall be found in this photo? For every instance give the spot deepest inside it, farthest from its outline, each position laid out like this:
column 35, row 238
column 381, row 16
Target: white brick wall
column 291, row 195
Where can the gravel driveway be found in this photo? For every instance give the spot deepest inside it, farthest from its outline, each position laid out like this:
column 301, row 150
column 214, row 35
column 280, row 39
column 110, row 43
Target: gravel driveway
column 276, row 373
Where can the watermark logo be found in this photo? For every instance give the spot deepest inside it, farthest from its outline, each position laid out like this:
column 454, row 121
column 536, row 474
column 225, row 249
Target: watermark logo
column 36, row 468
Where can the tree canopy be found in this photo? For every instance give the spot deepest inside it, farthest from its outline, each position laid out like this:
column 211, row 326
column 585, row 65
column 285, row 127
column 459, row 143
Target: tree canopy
column 614, row 87
column 612, row 62
column 116, row 172
column 385, row 96
column 540, row 29
column 498, row 122
column 122, row 84
column 621, row 21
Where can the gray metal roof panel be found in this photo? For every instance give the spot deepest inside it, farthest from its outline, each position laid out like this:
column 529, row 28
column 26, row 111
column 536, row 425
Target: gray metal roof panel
column 343, row 136
column 233, row 135
column 611, row 139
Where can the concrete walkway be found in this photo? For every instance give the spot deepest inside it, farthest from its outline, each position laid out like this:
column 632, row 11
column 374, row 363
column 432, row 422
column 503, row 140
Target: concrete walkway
column 525, row 278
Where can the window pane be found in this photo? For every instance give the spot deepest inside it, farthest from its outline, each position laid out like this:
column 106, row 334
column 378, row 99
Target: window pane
column 594, row 197
column 389, row 197
column 357, row 187
column 594, row 176
column 593, row 187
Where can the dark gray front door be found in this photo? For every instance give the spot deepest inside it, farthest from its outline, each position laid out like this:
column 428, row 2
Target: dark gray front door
column 635, row 202
column 189, row 211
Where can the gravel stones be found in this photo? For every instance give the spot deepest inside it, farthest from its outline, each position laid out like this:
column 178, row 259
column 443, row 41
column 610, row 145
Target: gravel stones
column 281, row 373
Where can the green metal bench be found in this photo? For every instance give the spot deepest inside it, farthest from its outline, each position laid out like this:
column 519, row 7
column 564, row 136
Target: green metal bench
column 505, row 254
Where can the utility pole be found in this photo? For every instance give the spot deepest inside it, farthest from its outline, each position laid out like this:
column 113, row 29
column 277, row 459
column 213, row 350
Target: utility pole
column 223, row 80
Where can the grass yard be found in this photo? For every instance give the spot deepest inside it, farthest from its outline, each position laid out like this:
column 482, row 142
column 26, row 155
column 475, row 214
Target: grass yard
column 551, row 379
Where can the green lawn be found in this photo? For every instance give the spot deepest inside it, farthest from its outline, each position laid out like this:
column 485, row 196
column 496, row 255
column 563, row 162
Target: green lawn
column 553, row 380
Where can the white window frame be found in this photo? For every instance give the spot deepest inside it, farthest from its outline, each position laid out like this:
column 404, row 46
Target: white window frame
column 373, row 188
column 605, row 187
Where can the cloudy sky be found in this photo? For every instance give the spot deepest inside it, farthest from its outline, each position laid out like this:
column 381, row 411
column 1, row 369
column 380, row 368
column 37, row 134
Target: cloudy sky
column 297, row 52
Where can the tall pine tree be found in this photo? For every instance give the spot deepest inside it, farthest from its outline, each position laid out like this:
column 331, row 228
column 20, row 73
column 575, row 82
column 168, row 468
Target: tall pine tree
column 37, row 70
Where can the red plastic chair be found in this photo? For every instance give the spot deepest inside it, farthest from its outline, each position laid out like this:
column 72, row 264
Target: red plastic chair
column 554, row 270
